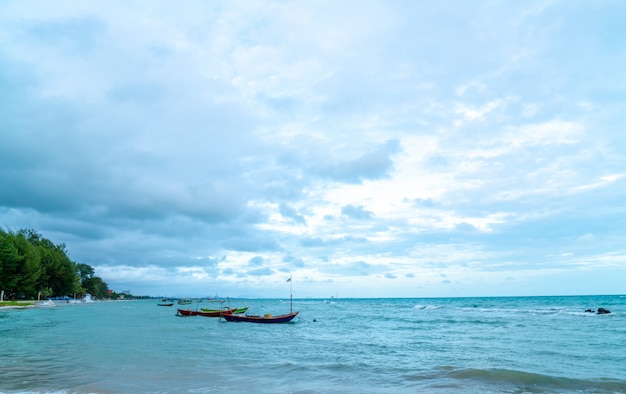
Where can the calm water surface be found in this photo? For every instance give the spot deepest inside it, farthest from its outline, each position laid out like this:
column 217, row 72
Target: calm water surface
column 438, row 345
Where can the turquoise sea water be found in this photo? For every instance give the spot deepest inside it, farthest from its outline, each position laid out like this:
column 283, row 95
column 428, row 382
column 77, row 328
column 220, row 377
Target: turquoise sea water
column 431, row 345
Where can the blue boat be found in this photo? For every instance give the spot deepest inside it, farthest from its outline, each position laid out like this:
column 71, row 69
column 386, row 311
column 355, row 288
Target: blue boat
column 267, row 319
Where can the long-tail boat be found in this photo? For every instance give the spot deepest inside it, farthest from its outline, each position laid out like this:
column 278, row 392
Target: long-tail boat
column 267, row 318
column 189, row 312
column 236, row 310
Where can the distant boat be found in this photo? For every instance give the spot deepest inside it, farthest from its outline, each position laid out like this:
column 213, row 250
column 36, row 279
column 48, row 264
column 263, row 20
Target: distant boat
column 267, row 319
column 184, row 301
column 166, row 304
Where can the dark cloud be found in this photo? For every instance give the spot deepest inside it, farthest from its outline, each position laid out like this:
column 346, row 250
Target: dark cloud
column 289, row 212
column 293, row 261
column 356, row 212
column 353, row 268
column 331, row 242
column 465, row 227
column 140, row 93
column 264, row 271
column 427, row 202
column 77, row 35
column 173, row 145
column 256, row 261
column 375, row 164
column 254, row 243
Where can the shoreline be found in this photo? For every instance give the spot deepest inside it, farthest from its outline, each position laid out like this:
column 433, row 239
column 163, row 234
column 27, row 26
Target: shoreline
column 17, row 304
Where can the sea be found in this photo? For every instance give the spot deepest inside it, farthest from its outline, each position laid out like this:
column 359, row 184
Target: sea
column 405, row 345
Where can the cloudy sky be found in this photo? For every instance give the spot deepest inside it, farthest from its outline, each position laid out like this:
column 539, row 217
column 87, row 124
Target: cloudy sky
column 366, row 148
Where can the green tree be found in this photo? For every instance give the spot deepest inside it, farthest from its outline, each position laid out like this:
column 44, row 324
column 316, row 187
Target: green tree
column 28, row 268
column 58, row 271
column 84, row 271
column 96, row 287
column 31, row 264
column 9, row 260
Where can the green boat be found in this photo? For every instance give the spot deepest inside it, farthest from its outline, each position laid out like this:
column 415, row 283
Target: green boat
column 236, row 310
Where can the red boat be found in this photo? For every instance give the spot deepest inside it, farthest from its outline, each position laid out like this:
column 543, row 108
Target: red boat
column 189, row 312
column 267, row 318
column 261, row 319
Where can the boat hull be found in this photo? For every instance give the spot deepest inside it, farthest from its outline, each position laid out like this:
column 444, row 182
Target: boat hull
column 261, row 319
column 188, row 312
column 218, row 311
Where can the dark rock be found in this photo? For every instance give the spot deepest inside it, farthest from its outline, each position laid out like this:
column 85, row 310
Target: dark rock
column 602, row 311
column 590, row 311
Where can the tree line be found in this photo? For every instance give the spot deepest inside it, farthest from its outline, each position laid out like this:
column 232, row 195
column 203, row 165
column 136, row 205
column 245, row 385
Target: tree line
column 33, row 267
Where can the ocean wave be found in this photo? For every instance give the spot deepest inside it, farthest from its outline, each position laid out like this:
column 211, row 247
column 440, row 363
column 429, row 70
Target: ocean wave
column 533, row 311
column 507, row 380
column 427, row 307
column 39, row 392
column 534, row 382
column 357, row 346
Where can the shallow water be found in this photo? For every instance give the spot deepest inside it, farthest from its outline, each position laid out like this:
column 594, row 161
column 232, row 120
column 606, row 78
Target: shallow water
column 452, row 345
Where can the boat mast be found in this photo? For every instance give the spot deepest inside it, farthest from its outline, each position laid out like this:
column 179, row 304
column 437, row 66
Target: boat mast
column 290, row 294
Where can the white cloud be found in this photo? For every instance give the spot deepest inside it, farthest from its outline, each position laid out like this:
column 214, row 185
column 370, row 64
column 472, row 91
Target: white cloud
column 369, row 147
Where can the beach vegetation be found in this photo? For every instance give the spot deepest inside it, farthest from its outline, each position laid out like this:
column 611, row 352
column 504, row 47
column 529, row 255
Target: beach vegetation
column 18, row 304
column 33, row 267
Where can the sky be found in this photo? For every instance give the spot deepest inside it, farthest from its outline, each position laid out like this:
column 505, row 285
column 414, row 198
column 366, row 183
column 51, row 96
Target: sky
column 363, row 148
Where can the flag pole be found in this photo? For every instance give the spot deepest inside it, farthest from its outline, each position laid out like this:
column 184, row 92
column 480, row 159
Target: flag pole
column 290, row 295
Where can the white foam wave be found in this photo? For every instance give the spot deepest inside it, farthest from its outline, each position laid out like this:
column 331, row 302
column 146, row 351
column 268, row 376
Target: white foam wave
column 426, row 307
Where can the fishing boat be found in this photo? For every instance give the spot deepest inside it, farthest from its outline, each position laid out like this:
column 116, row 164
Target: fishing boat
column 236, row 310
column 186, row 312
column 165, row 302
column 216, row 313
column 267, row 318
column 224, row 307
column 184, row 301
column 189, row 312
